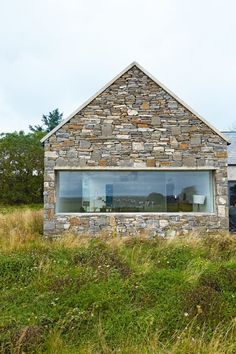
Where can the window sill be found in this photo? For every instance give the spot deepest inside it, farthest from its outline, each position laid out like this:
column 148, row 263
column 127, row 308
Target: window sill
column 139, row 214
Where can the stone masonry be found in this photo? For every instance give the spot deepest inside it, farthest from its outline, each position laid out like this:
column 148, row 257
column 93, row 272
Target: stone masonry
column 135, row 124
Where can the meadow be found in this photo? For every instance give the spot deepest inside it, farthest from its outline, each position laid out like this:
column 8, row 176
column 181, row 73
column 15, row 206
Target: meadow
column 111, row 295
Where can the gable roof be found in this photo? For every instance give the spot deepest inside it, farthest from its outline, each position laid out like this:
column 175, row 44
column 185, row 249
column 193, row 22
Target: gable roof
column 231, row 135
column 117, row 77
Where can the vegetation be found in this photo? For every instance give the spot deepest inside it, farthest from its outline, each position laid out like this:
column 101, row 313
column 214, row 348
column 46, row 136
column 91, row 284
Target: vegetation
column 6, row 209
column 21, row 163
column 21, row 168
column 101, row 295
column 49, row 122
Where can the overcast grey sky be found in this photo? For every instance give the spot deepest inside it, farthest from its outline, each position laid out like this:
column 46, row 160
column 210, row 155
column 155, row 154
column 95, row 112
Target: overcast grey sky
column 58, row 53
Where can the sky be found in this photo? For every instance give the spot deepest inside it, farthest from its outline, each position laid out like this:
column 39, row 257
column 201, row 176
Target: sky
column 58, row 53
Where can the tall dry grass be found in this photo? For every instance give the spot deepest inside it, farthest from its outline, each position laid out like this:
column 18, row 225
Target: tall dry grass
column 222, row 341
column 20, row 229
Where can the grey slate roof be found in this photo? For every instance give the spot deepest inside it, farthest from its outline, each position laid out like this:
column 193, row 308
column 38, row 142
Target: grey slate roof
column 231, row 135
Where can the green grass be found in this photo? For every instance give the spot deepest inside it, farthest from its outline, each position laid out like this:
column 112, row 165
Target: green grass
column 76, row 295
column 6, row 208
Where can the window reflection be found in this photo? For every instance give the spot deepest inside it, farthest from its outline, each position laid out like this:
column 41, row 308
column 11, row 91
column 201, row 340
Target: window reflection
column 232, row 206
column 134, row 191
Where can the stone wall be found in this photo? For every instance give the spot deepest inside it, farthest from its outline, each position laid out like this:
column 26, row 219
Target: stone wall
column 135, row 124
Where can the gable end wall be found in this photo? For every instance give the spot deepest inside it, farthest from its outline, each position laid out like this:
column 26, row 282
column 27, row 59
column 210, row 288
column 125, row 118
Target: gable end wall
column 134, row 124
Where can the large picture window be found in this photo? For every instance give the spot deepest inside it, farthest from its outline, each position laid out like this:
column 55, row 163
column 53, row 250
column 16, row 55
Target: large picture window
column 134, row 191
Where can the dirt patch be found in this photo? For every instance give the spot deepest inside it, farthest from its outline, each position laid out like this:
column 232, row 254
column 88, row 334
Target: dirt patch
column 27, row 339
column 59, row 284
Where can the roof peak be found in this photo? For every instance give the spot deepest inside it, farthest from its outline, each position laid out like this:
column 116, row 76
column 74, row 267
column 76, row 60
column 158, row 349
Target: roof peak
column 131, row 65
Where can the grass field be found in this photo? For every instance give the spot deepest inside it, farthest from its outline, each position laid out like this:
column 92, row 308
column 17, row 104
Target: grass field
column 131, row 295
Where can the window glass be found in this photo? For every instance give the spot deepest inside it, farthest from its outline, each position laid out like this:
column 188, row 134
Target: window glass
column 134, row 191
column 232, row 193
column 232, row 206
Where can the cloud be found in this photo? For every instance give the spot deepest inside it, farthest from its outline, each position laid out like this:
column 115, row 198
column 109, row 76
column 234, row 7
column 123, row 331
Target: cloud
column 57, row 53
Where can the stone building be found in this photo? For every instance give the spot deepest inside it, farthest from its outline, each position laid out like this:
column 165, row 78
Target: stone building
column 135, row 158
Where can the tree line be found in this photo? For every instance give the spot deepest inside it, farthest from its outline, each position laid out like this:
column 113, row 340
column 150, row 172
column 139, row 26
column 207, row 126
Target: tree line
column 21, row 162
